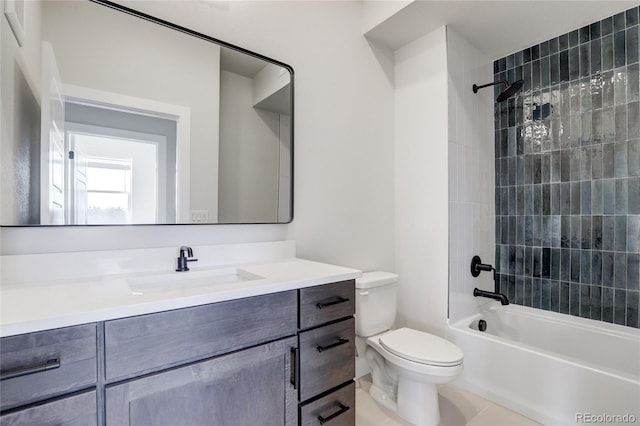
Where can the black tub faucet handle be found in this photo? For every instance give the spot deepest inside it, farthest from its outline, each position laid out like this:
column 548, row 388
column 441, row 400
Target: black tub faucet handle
column 477, row 266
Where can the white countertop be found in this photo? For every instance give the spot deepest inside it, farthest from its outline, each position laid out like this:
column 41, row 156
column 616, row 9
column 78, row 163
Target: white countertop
column 44, row 305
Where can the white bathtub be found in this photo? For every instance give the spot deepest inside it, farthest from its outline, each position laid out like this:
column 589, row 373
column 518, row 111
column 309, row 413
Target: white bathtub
column 556, row 369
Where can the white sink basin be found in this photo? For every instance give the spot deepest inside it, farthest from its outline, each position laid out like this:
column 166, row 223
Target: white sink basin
column 176, row 281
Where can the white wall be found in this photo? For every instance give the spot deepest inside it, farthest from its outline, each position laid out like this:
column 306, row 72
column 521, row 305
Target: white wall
column 343, row 143
column 3, row 128
column 249, row 148
column 376, row 12
column 471, row 173
column 421, row 216
column 269, row 80
column 20, row 120
column 284, row 174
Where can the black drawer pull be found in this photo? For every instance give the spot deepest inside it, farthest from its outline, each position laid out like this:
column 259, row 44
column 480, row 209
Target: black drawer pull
column 341, row 341
column 31, row 369
column 343, row 409
column 335, row 302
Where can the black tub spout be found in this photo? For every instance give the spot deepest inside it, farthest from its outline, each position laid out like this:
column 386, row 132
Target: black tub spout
column 491, row 295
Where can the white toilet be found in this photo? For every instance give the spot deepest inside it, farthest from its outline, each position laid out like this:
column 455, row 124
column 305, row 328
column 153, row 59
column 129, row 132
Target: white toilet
column 406, row 365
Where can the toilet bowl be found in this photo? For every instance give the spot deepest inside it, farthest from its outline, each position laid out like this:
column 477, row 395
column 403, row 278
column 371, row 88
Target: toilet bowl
column 414, row 371
column 406, row 364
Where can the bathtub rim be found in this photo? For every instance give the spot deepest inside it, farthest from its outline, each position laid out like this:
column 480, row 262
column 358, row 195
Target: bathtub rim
column 463, row 325
column 572, row 320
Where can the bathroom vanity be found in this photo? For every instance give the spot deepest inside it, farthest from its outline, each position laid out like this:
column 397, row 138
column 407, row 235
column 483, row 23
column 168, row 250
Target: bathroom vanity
column 283, row 356
column 250, row 335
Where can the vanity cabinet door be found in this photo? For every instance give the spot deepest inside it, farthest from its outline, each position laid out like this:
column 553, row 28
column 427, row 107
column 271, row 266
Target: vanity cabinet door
column 76, row 410
column 249, row 387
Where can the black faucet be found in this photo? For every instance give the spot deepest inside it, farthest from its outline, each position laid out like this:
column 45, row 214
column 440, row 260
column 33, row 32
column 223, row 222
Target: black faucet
column 491, row 295
column 186, row 253
column 476, row 267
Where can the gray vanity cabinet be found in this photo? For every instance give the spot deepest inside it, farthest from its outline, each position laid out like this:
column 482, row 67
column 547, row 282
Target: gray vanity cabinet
column 283, row 358
column 249, row 387
column 325, row 303
column 41, row 365
column 327, row 354
column 335, row 409
column 153, row 342
column 327, row 357
column 76, row 410
column 217, row 364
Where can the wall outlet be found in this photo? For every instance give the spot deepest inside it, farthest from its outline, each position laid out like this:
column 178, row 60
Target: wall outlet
column 199, row 216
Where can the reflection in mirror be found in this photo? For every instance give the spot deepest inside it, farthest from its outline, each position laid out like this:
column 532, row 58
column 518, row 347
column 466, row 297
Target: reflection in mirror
column 112, row 119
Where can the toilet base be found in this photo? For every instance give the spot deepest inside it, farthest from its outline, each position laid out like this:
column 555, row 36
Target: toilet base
column 407, row 388
column 418, row 402
column 382, row 398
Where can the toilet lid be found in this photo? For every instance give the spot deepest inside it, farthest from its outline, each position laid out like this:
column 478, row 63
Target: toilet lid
column 422, row 347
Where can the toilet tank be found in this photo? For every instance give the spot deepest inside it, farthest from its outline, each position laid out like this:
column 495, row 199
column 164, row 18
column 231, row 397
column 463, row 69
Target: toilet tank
column 375, row 302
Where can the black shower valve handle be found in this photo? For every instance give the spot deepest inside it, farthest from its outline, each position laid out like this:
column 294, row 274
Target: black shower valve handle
column 484, row 267
column 477, row 266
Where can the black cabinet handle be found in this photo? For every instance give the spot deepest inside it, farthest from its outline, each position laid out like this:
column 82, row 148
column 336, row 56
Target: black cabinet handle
column 341, row 341
column 321, row 305
column 31, row 369
column 295, row 373
column 343, row 409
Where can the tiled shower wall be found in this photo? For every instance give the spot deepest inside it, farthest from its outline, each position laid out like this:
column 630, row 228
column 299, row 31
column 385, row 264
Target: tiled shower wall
column 471, row 178
column 567, row 169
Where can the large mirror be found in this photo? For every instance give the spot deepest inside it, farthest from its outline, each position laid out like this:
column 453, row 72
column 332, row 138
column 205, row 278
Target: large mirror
column 112, row 117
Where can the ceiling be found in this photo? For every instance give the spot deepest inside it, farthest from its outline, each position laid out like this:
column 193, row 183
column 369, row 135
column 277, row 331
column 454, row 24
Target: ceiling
column 497, row 28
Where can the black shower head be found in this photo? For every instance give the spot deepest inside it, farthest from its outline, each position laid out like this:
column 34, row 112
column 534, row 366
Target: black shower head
column 510, row 89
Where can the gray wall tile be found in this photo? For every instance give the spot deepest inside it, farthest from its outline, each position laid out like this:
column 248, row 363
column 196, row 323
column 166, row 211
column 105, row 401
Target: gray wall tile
column 596, row 268
column 633, row 153
column 633, row 233
column 633, row 194
column 568, row 173
column 620, row 306
column 595, row 303
column 633, row 271
column 607, row 268
column 633, row 300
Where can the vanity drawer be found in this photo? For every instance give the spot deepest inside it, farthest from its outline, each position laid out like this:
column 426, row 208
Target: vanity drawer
column 337, row 408
column 76, row 410
column 326, row 303
column 147, row 343
column 37, row 366
column 327, row 357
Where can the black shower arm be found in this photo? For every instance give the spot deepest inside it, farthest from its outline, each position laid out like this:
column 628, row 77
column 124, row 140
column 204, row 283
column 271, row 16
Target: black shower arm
column 476, row 87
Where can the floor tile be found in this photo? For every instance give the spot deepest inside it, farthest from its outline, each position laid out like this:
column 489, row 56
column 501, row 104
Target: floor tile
column 458, row 407
column 495, row 415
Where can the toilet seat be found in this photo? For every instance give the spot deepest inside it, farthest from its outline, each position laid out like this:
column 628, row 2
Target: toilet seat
column 423, row 348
